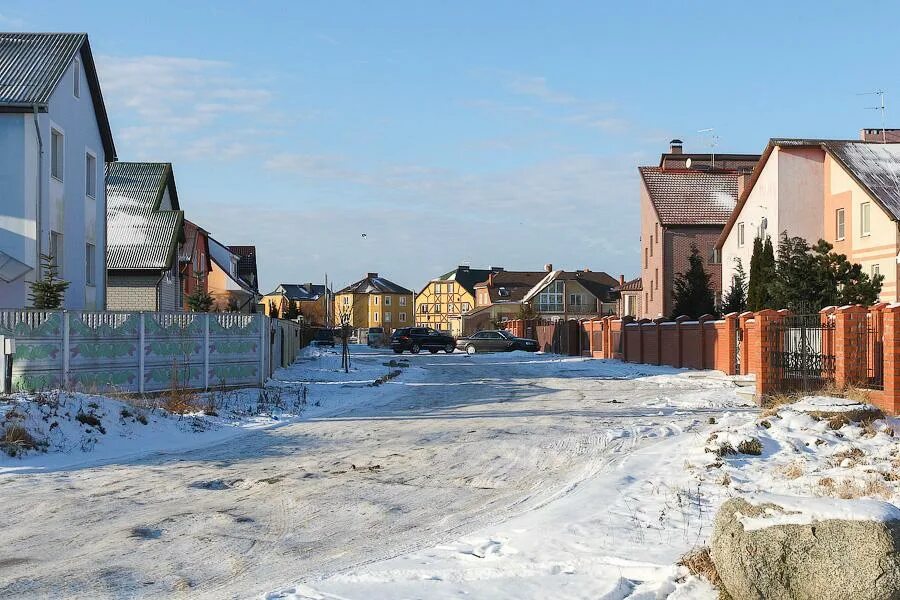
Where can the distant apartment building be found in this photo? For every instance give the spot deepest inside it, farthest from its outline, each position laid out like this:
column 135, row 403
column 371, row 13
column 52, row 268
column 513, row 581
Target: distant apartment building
column 55, row 139
column 685, row 201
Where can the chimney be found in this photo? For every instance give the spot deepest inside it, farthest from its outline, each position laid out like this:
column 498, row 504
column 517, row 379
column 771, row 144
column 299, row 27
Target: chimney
column 743, row 182
column 462, row 267
column 548, row 267
column 587, row 269
column 621, row 280
column 491, row 280
column 887, row 135
column 309, row 287
column 371, row 275
column 675, row 146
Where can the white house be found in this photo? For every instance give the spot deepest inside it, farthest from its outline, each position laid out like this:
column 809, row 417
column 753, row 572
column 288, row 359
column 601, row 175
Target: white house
column 785, row 193
column 55, row 139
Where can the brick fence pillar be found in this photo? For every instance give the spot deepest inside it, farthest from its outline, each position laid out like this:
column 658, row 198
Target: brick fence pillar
column 658, row 332
column 679, row 357
column 891, row 323
column 759, row 353
column 704, row 351
column 726, row 347
column 745, row 348
column 849, row 345
column 625, row 321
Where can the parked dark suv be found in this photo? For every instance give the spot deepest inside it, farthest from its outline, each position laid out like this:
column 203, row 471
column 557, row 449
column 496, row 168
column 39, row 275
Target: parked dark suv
column 416, row 339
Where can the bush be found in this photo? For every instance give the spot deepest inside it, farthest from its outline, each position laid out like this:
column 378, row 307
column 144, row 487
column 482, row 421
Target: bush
column 752, row 446
column 16, row 440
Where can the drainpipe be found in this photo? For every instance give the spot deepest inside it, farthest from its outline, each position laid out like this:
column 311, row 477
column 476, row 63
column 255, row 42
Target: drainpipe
column 40, row 193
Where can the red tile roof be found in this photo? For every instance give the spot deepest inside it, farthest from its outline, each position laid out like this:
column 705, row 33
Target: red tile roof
column 690, row 196
column 635, row 285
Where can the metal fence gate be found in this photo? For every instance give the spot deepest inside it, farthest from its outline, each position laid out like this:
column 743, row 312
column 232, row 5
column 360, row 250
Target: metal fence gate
column 802, row 352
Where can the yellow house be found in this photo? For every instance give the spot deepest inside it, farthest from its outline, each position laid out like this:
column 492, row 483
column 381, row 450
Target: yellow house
column 443, row 301
column 375, row 302
column 311, row 299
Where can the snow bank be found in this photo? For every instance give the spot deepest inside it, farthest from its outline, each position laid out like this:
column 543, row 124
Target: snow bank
column 805, row 511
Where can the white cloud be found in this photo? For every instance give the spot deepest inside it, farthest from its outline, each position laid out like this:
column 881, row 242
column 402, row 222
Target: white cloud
column 174, row 107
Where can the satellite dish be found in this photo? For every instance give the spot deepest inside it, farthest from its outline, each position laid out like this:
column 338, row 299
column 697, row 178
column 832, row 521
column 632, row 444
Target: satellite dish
column 687, row 163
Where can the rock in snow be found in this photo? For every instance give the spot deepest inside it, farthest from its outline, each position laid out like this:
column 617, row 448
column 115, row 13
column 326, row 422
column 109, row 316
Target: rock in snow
column 807, row 553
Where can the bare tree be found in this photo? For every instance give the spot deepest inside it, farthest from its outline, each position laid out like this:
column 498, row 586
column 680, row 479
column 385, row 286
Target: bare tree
column 345, row 331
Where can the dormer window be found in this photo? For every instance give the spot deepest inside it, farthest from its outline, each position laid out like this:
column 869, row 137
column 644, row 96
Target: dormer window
column 76, row 84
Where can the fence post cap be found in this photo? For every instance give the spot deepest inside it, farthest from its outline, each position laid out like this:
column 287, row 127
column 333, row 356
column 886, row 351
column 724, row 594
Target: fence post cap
column 878, row 306
column 682, row 319
column 749, row 314
column 706, row 317
column 853, row 308
column 827, row 310
column 731, row 315
column 657, row 320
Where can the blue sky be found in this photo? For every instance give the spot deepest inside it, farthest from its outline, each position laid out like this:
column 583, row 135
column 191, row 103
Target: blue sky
column 503, row 133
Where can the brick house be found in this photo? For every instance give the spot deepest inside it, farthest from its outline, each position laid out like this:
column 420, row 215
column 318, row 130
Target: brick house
column 499, row 297
column 195, row 261
column 685, row 201
column 630, row 296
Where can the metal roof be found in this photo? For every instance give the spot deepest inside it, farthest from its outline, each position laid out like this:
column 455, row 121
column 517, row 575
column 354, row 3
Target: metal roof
column 875, row 166
column 691, row 197
column 295, row 291
column 246, row 267
column 140, row 236
column 32, row 65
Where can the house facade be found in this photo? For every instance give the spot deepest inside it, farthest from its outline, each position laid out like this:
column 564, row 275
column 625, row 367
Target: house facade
column 375, row 302
column 55, row 139
column 783, row 193
column 685, row 202
column 195, row 261
column 230, row 292
column 313, row 300
column 499, row 298
column 842, row 191
column 444, row 300
column 563, row 295
column 145, row 230
column 630, row 294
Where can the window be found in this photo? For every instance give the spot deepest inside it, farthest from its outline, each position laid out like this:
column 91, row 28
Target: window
column 656, row 278
column 466, row 306
column 76, row 83
column 437, row 309
column 56, row 251
column 90, row 175
column 423, row 309
column 651, row 248
column 551, row 299
column 387, row 317
column 715, row 256
column 402, row 300
column 387, row 300
column 56, row 154
column 876, row 270
column 865, row 215
column 839, row 223
column 629, row 305
column 375, row 316
column 740, row 235
column 90, row 263
column 646, row 260
column 375, row 300
column 575, row 300
column 346, row 300
column 403, row 317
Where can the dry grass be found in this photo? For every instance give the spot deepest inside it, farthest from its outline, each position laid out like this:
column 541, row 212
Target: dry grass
column 772, row 403
column 700, row 564
column 827, row 483
column 849, row 489
column 853, row 455
column 16, row 440
column 752, row 447
column 793, row 470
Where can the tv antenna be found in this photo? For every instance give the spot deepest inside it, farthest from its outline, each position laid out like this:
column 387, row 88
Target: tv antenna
column 713, row 142
column 880, row 94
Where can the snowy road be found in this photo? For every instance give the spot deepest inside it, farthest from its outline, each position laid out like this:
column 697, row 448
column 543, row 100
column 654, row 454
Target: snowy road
column 466, row 445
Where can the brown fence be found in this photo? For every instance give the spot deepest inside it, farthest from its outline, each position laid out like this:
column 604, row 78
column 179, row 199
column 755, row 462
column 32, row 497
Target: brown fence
column 849, row 346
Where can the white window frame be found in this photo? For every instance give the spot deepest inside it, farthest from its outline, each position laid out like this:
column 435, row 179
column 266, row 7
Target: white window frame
column 876, row 269
column 402, row 300
column 57, row 153
column 88, row 156
column 387, row 300
column 388, row 317
column 865, row 219
column 552, row 297
column 76, row 79
column 576, row 299
column 375, row 300
column 375, row 316
column 840, row 224
column 345, row 300
column 740, row 235
column 402, row 317
column 90, row 264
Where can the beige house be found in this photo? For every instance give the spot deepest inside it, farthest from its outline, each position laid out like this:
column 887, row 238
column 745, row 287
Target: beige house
column 846, row 192
column 445, row 299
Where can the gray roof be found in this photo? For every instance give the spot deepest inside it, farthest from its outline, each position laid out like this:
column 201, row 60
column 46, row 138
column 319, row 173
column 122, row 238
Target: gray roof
column 32, row 65
column 295, row 291
column 140, row 236
column 373, row 284
column 876, row 167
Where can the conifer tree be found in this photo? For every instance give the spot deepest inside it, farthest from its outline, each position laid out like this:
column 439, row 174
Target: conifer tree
column 200, row 299
column 48, row 292
column 291, row 311
column 273, row 310
column 736, row 297
column 692, row 292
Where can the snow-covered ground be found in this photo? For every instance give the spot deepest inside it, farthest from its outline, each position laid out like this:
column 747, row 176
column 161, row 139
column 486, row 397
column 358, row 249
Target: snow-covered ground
column 487, row 476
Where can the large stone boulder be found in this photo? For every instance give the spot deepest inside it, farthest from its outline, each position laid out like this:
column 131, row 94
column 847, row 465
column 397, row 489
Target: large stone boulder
column 790, row 551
